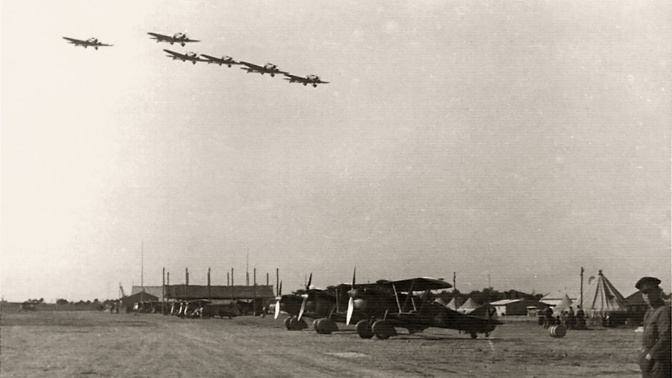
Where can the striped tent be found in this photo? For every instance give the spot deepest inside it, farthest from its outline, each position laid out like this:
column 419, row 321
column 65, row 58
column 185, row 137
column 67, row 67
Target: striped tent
column 603, row 298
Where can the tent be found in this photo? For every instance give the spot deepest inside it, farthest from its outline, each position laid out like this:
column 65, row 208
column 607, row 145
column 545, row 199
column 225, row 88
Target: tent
column 603, row 298
column 454, row 303
column 468, row 306
column 564, row 305
column 555, row 298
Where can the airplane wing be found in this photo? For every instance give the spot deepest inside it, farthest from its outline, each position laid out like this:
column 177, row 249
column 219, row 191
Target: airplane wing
column 103, row 44
column 214, row 59
column 175, row 55
column 252, row 66
column 417, row 284
column 160, row 37
column 74, row 41
column 293, row 78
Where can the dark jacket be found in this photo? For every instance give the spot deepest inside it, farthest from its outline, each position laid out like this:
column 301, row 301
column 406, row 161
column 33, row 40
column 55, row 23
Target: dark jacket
column 656, row 340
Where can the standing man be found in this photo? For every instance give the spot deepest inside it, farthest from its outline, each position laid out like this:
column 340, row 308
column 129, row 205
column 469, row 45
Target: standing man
column 656, row 350
column 580, row 318
column 548, row 317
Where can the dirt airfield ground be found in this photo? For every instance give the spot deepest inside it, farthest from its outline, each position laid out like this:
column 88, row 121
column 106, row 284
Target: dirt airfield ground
column 87, row 343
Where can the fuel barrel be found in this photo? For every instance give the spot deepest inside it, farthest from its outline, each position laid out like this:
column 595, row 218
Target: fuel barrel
column 557, row 331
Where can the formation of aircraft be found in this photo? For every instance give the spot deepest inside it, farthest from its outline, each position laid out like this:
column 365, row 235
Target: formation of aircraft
column 180, row 38
column 310, row 79
column 93, row 42
column 190, row 56
column 379, row 308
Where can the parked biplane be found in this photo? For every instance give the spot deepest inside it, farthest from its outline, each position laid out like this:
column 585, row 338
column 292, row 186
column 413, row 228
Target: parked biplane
column 325, row 306
column 390, row 304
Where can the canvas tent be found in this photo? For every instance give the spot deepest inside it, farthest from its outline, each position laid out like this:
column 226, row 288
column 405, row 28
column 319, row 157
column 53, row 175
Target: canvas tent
column 555, row 298
column 603, row 298
column 468, row 306
column 454, row 303
column 564, row 305
column 508, row 307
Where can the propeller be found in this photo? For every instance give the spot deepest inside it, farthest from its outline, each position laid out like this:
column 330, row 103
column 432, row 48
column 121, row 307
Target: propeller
column 277, row 303
column 351, row 301
column 305, row 297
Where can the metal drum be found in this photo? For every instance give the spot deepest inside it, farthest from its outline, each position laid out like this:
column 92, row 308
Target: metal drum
column 557, row 331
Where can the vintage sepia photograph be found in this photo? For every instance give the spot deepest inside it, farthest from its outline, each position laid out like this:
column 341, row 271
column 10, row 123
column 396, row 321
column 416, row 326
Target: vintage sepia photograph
column 217, row 188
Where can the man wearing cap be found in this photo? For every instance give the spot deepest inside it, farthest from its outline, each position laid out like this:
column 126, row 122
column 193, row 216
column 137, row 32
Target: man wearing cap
column 656, row 342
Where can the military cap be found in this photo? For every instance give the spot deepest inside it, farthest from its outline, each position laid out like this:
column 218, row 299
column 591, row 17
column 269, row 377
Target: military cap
column 647, row 283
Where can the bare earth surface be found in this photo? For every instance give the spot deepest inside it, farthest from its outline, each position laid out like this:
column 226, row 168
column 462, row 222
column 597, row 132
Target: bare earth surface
column 85, row 343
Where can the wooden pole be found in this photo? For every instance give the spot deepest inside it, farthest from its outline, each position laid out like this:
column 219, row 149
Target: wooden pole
column 254, row 292
column 163, row 292
column 581, row 287
column 186, row 274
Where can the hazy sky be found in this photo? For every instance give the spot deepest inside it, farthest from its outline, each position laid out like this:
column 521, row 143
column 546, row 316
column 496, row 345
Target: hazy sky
column 506, row 141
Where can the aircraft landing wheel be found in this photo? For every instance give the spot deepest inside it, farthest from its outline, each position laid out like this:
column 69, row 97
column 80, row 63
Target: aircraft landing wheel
column 287, row 325
column 383, row 329
column 315, row 325
column 473, row 335
column 364, row 330
column 326, row 326
column 296, row 324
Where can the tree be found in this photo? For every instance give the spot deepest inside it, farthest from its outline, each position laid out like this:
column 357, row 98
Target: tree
column 61, row 301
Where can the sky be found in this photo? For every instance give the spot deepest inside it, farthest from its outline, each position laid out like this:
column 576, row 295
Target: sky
column 510, row 143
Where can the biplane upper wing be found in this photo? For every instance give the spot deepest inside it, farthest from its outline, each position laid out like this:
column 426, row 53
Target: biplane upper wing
column 416, row 284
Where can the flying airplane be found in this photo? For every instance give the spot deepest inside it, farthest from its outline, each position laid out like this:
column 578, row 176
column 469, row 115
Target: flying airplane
column 89, row 42
column 180, row 38
column 268, row 68
column 310, row 79
column 190, row 56
column 413, row 313
column 223, row 60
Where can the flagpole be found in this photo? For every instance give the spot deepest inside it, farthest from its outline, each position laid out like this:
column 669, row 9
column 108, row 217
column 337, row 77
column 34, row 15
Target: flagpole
column 581, row 287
